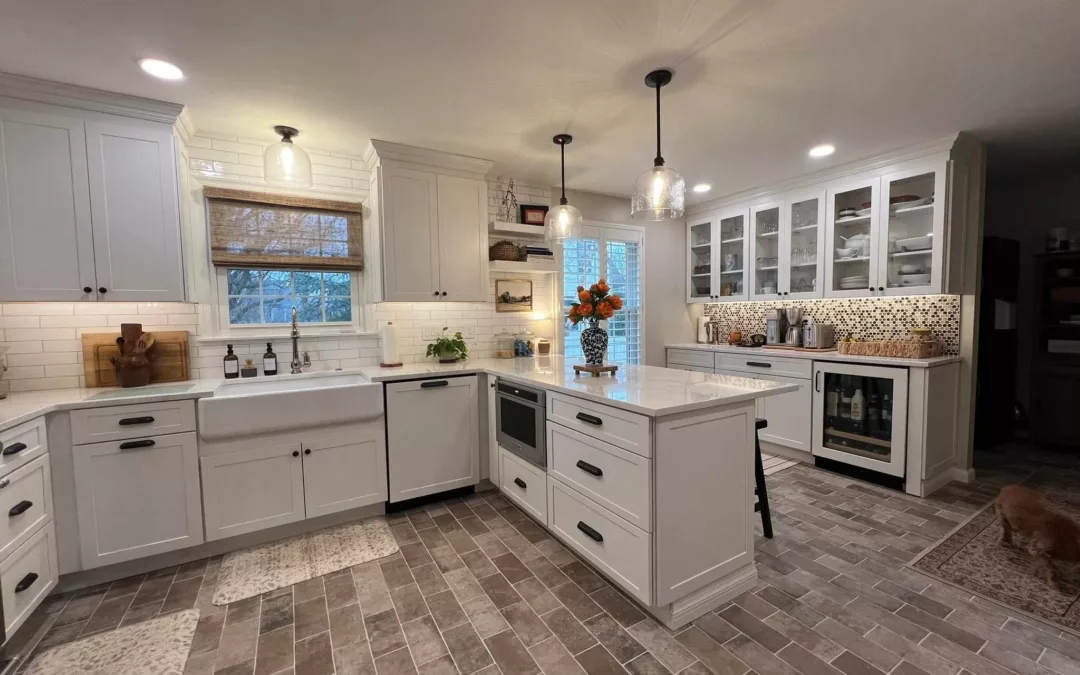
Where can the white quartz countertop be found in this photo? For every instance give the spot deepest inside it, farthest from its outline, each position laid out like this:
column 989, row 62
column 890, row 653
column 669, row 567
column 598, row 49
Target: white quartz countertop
column 647, row 390
column 820, row 356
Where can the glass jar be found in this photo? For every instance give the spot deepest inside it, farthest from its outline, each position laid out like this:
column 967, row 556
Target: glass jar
column 523, row 345
column 504, row 345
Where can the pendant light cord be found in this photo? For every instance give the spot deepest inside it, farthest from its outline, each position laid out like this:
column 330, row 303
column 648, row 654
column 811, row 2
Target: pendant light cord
column 562, row 162
column 659, row 161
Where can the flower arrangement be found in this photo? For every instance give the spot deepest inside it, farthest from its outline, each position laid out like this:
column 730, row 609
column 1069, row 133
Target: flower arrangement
column 594, row 303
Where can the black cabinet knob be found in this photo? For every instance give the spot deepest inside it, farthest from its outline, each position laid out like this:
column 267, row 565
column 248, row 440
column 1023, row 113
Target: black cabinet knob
column 102, row 290
column 881, row 288
column 871, row 288
column 87, row 289
column 785, row 292
column 444, row 294
column 436, row 294
column 295, row 453
column 307, row 451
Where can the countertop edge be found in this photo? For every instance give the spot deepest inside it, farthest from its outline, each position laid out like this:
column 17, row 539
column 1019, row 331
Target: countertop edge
column 932, row 362
column 60, row 406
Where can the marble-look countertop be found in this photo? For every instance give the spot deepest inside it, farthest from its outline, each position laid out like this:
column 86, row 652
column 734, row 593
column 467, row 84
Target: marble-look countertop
column 646, row 390
column 820, row 356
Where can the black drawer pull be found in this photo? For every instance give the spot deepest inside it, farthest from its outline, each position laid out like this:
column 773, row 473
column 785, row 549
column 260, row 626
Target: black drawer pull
column 589, row 468
column 13, row 449
column 759, row 364
column 590, row 419
column 128, row 421
column 437, row 383
column 26, row 582
column 589, row 532
column 520, row 483
column 19, row 508
column 131, row 445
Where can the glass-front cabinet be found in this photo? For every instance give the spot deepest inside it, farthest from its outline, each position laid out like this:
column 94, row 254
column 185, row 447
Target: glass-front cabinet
column 702, row 248
column 765, row 248
column 732, row 259
column 802, row 245
column 860, row 416
column 912, row 215
column 851, row 239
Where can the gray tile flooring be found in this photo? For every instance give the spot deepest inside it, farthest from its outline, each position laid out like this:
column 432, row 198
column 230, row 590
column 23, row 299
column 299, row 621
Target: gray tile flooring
column 478, row 588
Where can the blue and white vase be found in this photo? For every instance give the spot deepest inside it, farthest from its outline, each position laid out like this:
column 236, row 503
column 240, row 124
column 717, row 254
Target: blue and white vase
column 594, row 343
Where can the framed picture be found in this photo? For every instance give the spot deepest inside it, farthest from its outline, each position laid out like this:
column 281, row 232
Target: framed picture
column 513, row 295
column 533, row 214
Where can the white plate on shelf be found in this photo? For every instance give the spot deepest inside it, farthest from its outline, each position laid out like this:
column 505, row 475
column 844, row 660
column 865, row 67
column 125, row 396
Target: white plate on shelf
column 899, row 206
column 863, row 212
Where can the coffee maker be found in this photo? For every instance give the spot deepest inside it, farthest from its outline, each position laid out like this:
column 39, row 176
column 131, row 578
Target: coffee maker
column 794, row 331
column 776, row 327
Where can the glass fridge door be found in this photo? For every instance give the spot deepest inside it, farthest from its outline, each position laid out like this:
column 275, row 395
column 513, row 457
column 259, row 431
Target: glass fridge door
column 860, row 416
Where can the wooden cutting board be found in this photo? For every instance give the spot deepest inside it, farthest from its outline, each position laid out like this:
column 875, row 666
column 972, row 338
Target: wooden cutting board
column 170, row 358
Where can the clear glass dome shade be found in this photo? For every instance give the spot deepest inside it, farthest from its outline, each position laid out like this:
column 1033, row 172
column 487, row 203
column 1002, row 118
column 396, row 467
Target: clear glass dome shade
column 561, row 223
column 659, row 194
column 286, row 165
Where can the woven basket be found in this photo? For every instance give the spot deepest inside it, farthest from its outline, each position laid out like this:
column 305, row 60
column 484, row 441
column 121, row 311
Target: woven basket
column 904, row 349
column 504, row 250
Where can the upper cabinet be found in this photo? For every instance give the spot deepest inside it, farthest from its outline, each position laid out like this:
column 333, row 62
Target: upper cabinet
column 874, row 233
column 88, row 206
column 428, row 239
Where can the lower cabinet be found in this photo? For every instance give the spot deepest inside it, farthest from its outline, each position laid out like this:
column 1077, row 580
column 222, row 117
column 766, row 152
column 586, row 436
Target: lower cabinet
column 137, row 498
column 27, row 576
column 252, row 490
column 524, row 484
column 344, row 471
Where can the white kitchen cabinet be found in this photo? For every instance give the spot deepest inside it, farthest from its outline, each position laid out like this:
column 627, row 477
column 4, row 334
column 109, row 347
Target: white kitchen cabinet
column 463, row 237
column 252, row 489
column 46, row 242
column 802, row 245
column 135, row 213
column 410, row 221
column 432, row 429
column 856, row 236
column 911, row 250
column 789, row 415
column 344, row 470
column 137, row 498
column 730, row 270
column 763, row 260
column 701, row 251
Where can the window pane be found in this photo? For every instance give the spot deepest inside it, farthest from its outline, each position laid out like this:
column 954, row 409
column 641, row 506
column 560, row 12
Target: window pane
column 244, row 310
column 338, row 309
column 307, row 283
column 277, row 310
column 268, row 296
column 308, row 310
column 338, row 284
column 277, row 283
column 243, row 282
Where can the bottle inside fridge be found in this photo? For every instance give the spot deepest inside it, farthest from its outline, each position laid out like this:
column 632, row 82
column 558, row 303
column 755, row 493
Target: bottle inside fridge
column 860, row 422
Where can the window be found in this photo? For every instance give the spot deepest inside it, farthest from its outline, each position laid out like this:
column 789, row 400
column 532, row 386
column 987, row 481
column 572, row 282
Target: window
column 616, row 251
column 259, row 297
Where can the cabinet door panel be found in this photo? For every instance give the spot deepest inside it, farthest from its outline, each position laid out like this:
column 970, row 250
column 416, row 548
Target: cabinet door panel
column 789, row 415
column 765, row 247
column 433, row 435
column 252, row 490
column 911, row 249
column 701, row 262
column 855, row 235
column 802, row 245
column 133, row 195
column 463, row 261
column 137, row 501
column 46, row 242
column 410, row 232
column 344, row 472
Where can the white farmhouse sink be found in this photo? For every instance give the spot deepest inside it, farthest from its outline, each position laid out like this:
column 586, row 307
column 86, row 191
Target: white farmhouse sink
column 288, row 402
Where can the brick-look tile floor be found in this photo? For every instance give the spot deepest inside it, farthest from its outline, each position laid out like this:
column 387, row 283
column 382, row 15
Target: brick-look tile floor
column 478, row 588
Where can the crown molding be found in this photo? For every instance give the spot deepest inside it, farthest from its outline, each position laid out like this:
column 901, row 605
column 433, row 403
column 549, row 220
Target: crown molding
column 874, row 163
column 381, row 150
column 85, row 98
column 184, row 126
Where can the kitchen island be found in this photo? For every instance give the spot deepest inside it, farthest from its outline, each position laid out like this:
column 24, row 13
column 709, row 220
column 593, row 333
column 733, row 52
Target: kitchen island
column 648, row 475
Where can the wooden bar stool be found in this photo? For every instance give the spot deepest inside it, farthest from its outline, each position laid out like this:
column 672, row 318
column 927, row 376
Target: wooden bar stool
column 762, row 504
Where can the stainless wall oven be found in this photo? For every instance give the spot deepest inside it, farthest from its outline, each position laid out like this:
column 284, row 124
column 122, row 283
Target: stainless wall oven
column 520, row 415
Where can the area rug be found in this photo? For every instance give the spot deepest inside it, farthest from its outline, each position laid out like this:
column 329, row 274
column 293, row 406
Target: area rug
column 155, row 647
column 972, row 558
column 260, row 569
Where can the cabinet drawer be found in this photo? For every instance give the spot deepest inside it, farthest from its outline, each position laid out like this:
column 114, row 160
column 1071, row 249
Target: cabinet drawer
column 613, row 545
column 690, row 357
column 25, row 503
column 27, row 575
column 21, row 444
column 626, row 430
column 117, row 423
column 524, row 484
column 613, row 477
column 766, row 365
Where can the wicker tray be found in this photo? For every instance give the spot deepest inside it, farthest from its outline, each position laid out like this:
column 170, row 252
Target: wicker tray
column 904, row 349
column 504, row 250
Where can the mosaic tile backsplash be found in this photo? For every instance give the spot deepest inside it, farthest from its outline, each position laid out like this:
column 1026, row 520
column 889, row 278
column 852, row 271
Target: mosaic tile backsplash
column 864, row 318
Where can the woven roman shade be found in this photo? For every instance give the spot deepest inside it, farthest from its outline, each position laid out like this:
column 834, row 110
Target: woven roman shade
column 255, row 229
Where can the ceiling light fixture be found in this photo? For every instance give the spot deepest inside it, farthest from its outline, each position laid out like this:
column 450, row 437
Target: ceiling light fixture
column 563, row 220
column 702, row 187
column 819, row 151
column 163, row 70
column 284, row 164
column 660, row 192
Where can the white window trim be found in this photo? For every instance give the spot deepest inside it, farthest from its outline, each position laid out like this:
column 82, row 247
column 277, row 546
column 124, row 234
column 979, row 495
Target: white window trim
column 595, row 228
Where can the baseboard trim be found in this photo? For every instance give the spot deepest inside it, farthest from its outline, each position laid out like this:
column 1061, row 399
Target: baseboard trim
column 683, row 611
column 962, row 475
column 784, row 451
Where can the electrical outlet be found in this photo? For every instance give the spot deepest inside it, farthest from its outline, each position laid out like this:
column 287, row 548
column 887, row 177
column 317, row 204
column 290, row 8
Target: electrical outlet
column 430, row 332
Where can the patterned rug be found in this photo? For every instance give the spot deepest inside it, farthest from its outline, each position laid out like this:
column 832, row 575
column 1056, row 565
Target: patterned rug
column 155, row 647
column 972, row 558
column 257, row 570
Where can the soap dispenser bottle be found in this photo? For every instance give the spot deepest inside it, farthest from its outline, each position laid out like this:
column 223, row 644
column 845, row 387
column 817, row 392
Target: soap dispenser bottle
column 269, row 360
column 232, row 365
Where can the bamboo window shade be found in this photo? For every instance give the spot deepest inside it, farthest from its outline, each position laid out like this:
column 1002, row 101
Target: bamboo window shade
column 267, row 231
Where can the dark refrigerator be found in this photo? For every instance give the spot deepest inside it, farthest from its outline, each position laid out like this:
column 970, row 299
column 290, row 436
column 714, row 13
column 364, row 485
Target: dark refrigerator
column 997, row 356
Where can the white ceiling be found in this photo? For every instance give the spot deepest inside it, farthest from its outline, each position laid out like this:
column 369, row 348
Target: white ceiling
column 757, row 82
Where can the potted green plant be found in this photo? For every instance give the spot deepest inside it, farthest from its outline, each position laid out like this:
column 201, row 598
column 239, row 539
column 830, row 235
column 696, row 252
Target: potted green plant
column 448, row 349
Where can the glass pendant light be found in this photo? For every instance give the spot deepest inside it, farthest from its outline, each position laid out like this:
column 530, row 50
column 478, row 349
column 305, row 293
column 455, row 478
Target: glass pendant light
column 660, row 192
column 284, row 164
column 563, row 220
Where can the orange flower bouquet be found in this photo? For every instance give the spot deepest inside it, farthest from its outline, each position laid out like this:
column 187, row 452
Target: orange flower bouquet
column 594, row 304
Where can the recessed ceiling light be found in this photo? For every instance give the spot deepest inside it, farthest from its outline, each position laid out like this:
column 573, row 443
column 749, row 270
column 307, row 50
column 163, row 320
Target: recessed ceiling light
column 702, row 187
column 163, row 70
column 822, row 150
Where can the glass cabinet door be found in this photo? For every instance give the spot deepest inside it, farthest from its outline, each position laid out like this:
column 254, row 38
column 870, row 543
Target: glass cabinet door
column 765, row 252
column 860, row 416
column 701, row 245
column 852, row 237
column 731, row 283
column 802, row 241
column 913, row 217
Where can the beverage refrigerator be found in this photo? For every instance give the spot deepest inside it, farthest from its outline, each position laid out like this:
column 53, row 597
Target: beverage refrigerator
column 860, row 419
